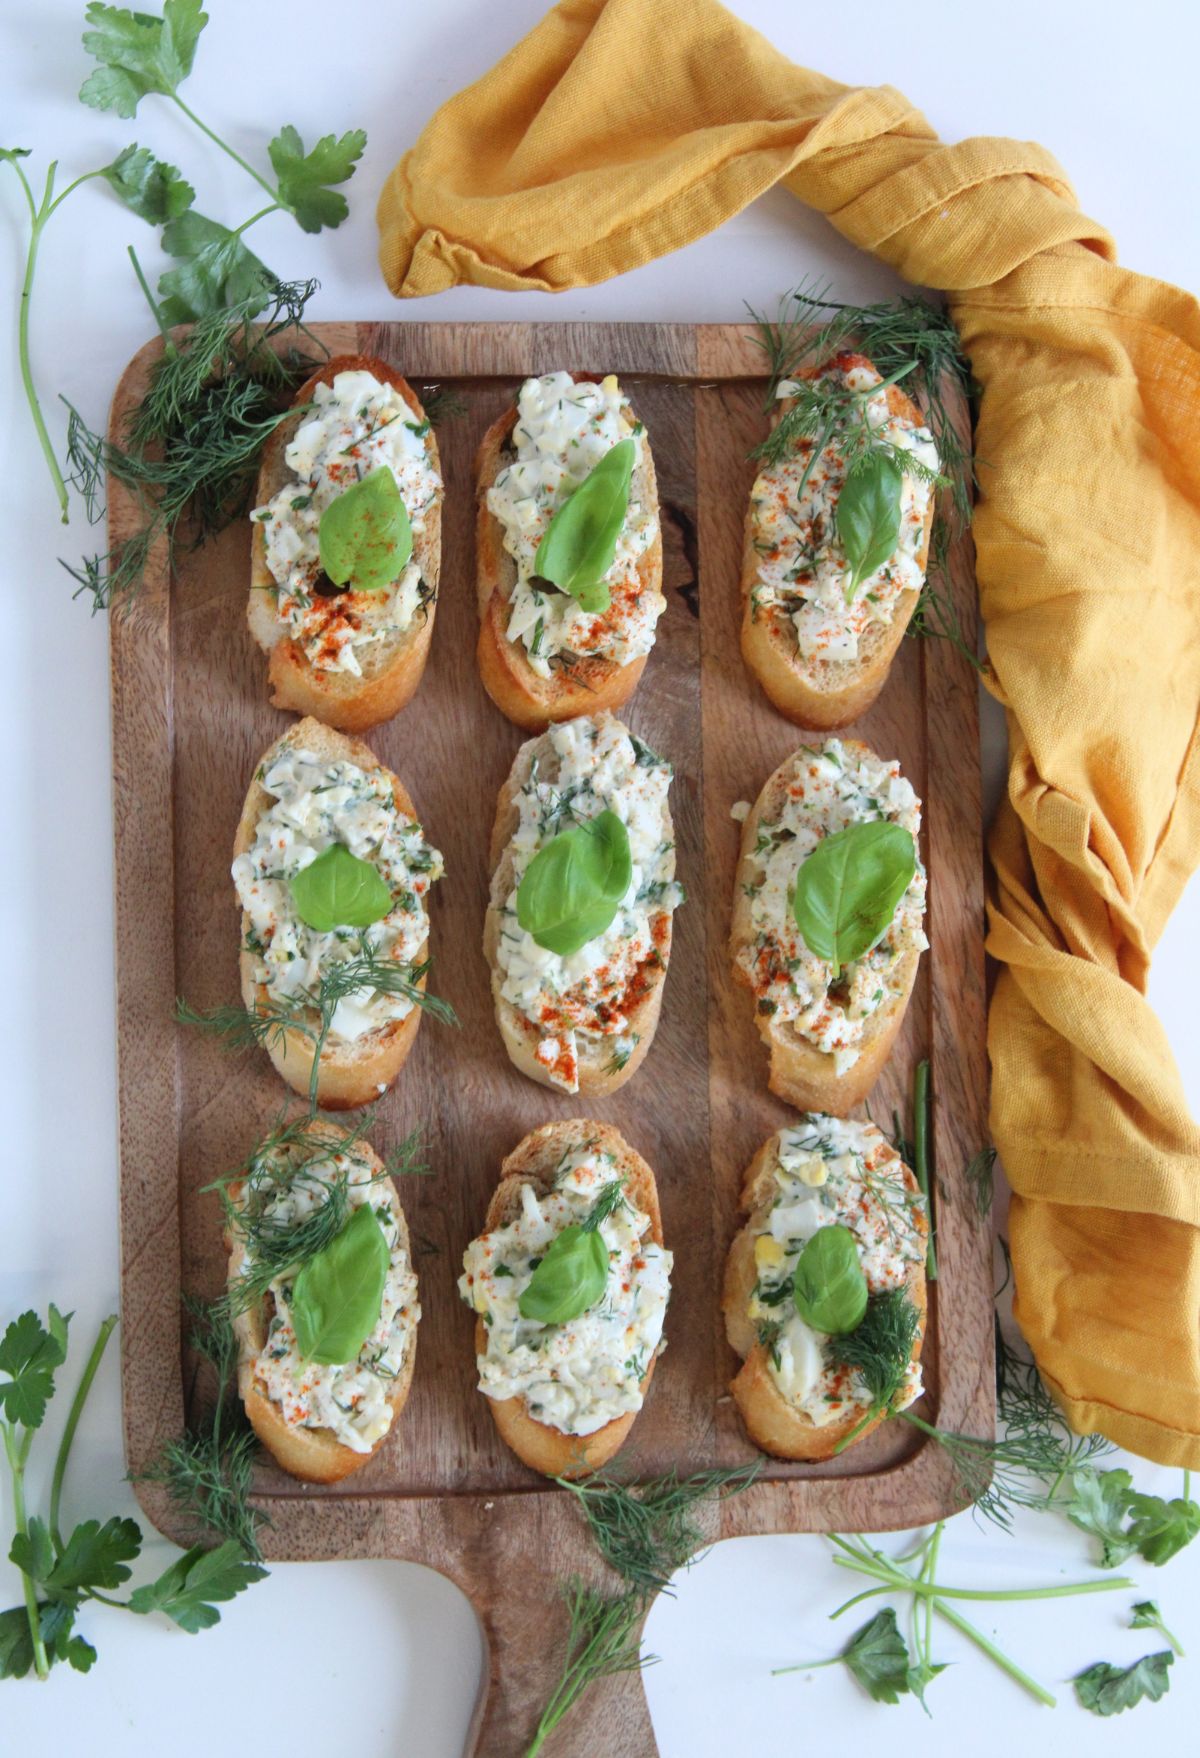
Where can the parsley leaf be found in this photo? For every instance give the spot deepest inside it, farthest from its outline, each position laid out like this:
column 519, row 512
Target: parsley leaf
column 153, row 189
column 1160, row 1529
column 16, row 1648
column 1147, row 1616
column 189, row 1591
column 94, row 1556
column 139, row 53
column 216, row 270
column 1099, row 1503
column 304, row 177
column 1107, row 1690
column 29, row 1355
column 877, row 1655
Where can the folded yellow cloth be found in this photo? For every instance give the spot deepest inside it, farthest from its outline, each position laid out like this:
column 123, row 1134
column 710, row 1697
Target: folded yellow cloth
column 620, row 130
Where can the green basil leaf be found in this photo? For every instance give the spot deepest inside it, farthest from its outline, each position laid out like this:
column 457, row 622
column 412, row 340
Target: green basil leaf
column 580, row 541
column 337, row 890
column 1106, row 1689
column 868, row 515
column 570, row 1278
column 337, row 1296
column 848, row 888
column 573, row 887
column 828, row 1287
column 365, row 536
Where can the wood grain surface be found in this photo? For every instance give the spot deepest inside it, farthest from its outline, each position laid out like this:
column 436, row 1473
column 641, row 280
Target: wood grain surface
column 191, row 717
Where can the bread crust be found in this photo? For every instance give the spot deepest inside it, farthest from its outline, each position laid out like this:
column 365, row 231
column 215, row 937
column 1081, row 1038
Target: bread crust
column 533, row 1161
column 798, row 1072
column 771, row 1422
column 827, row 693
column 521, row 1037
column 393, row 669
column 315, row 1455
column 351, row 1074
column 592, row 684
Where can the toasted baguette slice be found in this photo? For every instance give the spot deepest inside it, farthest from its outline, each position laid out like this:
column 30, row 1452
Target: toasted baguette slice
column 392, row 668
column 773, row 1423
column 800, row 1073
column 312, row 1454
column 591, row 683
column 826, row 693
column 597, row 1074
column 350, row 1074
column 534, row 1161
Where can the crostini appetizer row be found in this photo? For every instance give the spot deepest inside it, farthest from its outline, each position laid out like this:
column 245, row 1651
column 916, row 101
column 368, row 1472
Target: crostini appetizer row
column 569, row 1282
column 346, row 548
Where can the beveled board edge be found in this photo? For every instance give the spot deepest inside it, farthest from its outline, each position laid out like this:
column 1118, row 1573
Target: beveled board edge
column 485, row 1543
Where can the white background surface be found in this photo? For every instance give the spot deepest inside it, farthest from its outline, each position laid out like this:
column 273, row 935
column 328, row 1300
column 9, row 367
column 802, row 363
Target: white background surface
column 383, row 1658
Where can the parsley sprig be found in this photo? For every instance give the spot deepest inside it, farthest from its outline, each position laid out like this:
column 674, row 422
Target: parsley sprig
column 60, row 1575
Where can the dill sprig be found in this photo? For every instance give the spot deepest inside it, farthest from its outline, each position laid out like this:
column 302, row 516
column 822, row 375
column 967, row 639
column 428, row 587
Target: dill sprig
column 646, row 1531
column 980, row 1176
column 207, row 1470
column 442, row 403
column 1027, row 1465
column 193, row 444
column 880, row 1349
column 826, row 411
column 311, row 1013
column 907, row 335
column 602, row 1641
column 605, row 1205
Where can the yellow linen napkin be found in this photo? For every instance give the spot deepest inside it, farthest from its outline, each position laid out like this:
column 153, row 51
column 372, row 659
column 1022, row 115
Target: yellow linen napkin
column 617, row 131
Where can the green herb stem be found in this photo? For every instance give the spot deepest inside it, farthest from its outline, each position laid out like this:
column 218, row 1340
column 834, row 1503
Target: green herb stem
column 73, row 1415
column 18, row 1453
column 151, row 301
column 226, row 148
column 921, row 1157
column 927, row 1590
column 274, row 208
column 1002, row 1660
column 39, row 217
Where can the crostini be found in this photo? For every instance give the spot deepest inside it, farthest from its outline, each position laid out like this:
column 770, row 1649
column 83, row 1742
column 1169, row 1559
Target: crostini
column 578, row 977
column 801, row 1390
column 829, row 1022
column 333, row 955
column 320, row 1414
column 820, row 626
column 569, row 1283
column 543, row 656
column 349, row 651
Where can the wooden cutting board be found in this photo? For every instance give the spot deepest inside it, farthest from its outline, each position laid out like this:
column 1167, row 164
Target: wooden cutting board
column 190, row 719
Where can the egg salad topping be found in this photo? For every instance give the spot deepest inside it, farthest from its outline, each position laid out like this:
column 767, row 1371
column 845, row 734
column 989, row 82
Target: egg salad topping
column 835, row 786
column 801, row 567
column 317, row 803
column 582, row 1374
column 594, row 765
column 829, row 1172
column 563, row 430
column 351, row 1400
column 357, row 425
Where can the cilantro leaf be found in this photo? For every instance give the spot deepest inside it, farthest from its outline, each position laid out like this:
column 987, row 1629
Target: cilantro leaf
column 877, row 1655
column 1099, row 1503
column 1160, row 1529
column 95, row 1556
column 153, row 189
column 55, row 1622
column 1147, row 1616
column 139, row 53
column 304, row 177
column 29, row 1355
column 32, row 1551
column 1107, row 1690
column 189, row 1591
column 216, row 270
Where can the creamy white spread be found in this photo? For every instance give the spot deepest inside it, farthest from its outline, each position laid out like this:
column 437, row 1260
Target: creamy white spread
column 357, row 425
column 351, row 1400
column 317, row 803
column 801, row 571
column 594, row 765
column 563, row 430
column 829, row 1172
column 580, row 1375
column 833, row 787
